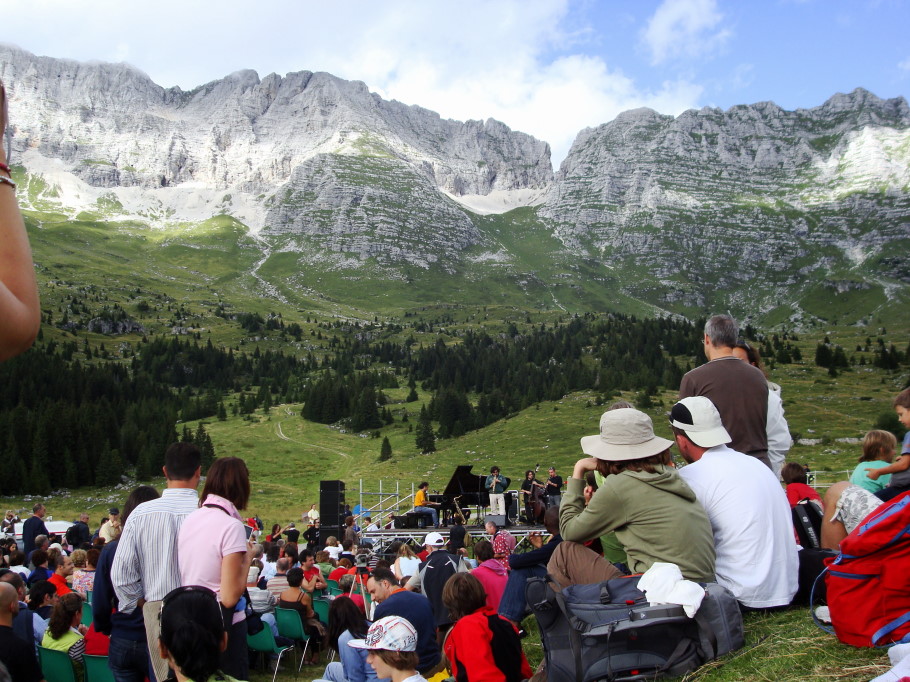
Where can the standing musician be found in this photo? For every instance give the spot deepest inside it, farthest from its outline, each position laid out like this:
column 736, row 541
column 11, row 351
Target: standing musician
column 532, row 493
column 553, row 488
column 496, row 484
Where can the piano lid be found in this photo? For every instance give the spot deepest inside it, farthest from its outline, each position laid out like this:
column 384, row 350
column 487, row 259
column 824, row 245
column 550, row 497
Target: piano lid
column 463, row 482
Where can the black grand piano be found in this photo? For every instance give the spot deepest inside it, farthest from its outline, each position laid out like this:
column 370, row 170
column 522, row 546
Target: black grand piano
column 465, row 489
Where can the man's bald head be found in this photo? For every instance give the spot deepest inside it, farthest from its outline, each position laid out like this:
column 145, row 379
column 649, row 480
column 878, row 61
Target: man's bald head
column 16, row 581
column 9, row 603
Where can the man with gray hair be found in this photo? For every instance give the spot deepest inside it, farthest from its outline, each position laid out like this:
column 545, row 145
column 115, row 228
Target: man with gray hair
column 737, row 389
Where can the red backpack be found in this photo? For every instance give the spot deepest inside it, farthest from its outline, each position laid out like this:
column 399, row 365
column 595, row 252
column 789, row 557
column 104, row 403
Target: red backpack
column 868, row 583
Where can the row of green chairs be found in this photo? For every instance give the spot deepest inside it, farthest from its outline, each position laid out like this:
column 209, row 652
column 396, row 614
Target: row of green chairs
column 57, row 666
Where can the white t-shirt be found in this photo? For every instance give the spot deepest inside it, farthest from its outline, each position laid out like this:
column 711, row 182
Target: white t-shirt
column 334, row 552
column 750, row 517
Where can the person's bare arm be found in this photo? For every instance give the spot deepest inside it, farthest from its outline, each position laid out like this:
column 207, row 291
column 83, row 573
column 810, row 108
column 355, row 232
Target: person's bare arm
column 902, row 464
column 234, row 568
column 20, row 311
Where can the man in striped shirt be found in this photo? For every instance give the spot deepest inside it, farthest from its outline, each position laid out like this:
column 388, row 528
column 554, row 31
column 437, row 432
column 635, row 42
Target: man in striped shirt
column 145, row 567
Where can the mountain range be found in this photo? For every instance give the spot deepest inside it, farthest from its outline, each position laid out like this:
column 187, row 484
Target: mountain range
column 331, row 193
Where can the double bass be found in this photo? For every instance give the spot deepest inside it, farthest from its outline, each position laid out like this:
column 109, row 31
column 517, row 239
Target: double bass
column 536, row 504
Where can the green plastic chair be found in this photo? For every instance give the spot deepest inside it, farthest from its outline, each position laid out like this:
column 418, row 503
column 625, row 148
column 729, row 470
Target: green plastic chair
column 263, row 642
column 87, row 614
column 290, row 626
column 321, row 607
column 57, row 666
column 96, row 669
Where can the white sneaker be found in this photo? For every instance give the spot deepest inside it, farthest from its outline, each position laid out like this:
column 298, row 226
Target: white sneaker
column 823, row 613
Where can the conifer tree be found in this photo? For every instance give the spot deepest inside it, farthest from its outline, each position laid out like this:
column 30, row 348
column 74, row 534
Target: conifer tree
column 425, row 438
column 385, row 452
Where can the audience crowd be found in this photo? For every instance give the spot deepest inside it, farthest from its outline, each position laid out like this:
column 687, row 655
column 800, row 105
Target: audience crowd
column 177, row 582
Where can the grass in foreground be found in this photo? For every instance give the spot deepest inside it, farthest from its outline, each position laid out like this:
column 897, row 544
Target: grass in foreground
column 779, row 646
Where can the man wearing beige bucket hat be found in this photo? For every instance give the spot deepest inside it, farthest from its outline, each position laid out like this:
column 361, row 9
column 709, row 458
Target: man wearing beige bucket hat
column 654, row 513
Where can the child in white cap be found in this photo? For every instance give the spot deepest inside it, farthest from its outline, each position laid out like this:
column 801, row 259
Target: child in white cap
column 392, row 643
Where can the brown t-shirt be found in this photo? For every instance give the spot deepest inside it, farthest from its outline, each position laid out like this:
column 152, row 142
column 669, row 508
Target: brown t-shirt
column 739, row 391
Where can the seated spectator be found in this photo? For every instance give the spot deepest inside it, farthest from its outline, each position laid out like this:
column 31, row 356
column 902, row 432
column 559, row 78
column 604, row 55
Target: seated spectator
column 392, row 600
column 654, row 512
column 41, row 598
column 351, row 587
column 751, row 522
column 490, row 573
column 290, row 552
column 64, row 629
column 298, row 599
column 312, row 575
column 17, row 655
column 279, row 582
column 26, row 624
column 41, row 572
column 346, row 622
column 84, row 576
column 347, row 550
column 332, row 547
column 324, row 563
column 846, row 505
column 269, row 566
column 392, row 645
column 433, row 574
column 900, row 470
column 64, row 569
column 879, row 448
column 192, row 634
column 406, row 563
column 344, row 565
column 502, row 540
column 513, row 604
column 794, row 475
column 261, row 601
column 16, row 563
column 482, row 645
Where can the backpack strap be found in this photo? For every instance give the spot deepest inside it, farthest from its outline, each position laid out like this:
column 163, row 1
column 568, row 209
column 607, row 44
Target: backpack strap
column 890, row 627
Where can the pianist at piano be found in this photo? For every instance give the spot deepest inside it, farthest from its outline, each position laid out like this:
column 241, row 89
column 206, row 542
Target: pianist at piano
column 422, row 505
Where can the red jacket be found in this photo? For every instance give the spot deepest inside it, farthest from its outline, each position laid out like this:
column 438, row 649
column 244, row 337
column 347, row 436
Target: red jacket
column 484, row 647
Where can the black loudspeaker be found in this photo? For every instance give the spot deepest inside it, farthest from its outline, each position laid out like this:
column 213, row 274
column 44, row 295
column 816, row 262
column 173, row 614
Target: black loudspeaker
column 331, row 505
column 500, row 520
column 326, row 532
column 511, row 509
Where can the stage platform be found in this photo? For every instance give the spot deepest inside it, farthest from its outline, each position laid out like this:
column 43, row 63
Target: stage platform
column 383, row 538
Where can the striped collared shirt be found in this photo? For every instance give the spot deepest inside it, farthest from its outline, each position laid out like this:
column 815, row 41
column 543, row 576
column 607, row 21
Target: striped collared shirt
column 145, row 565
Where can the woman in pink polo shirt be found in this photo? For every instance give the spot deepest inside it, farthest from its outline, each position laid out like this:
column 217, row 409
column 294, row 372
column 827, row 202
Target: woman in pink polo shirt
column 213, row 551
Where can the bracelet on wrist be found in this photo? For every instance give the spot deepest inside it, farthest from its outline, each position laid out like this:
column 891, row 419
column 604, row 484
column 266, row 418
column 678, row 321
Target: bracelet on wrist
column 5, row 169
column 6, row 181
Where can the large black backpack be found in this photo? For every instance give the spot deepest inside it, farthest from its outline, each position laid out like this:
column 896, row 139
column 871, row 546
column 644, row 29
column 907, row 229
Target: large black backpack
column 807, row 521
column 608, row 631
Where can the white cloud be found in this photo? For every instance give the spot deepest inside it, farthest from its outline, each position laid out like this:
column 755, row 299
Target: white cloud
column 904, row 65
column 684, row 28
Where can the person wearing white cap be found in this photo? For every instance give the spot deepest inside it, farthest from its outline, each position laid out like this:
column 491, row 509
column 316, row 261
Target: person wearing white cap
column 432, row 574
column 392, row 643
column 654, row 513
column 757, row 559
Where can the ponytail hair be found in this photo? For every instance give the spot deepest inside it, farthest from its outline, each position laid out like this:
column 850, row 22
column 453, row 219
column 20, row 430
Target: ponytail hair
column 192, row 631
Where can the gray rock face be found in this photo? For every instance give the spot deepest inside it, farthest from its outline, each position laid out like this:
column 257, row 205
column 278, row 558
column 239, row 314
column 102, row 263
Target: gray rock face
column 744, row 206
column 714, row 199
column 240, row 145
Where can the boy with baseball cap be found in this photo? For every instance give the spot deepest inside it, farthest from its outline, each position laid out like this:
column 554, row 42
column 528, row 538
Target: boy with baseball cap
column 392, row 643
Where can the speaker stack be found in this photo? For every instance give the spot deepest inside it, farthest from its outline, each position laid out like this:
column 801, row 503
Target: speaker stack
column 331, row 509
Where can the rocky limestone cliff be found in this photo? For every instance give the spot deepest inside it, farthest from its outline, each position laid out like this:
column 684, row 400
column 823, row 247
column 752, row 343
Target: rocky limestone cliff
column 756, row 194
column 242, row 145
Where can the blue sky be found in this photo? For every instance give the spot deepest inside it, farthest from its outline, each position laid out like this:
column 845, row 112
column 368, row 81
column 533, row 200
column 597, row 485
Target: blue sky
column 546, row 67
